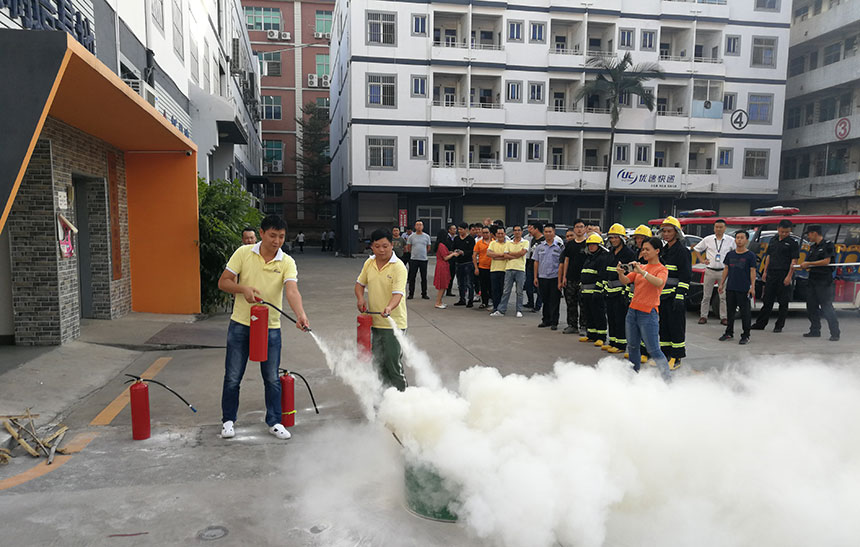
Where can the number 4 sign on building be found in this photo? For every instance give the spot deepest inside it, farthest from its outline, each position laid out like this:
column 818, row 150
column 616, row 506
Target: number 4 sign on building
column 740, row 119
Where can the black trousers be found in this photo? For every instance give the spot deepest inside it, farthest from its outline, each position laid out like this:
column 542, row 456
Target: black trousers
column 497, row 285
column 465, row 273
column 594, row 313
column 573, row 299
column 774, row 290
column 548, row 291
column 673, row 328
column 485, row 284
column 738, row 301
column 452, row 267
column 819, row 301
column 530, row 285
column 414, row 267
column 616, row 317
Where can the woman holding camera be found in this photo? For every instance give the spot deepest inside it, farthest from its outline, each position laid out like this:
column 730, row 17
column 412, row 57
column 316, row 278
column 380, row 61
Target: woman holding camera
column 643, row 319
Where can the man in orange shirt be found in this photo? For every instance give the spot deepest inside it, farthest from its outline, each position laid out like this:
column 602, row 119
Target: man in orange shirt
column 643, row 318
column 482, row 264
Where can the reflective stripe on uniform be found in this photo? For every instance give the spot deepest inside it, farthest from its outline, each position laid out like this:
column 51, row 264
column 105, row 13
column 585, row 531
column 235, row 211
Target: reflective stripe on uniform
column 679, row 296
column 665, row 344
column 678, row 345
column 589, row 270
column 683, row 285
column 670, row 267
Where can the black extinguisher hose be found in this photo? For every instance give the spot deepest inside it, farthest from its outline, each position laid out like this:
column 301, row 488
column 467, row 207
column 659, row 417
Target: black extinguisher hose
column 307, row 385
column 165, row 386
column 282, row 312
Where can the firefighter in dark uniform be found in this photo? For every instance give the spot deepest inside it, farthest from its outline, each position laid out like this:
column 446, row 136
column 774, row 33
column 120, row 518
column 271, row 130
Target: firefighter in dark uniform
column 617, row 301
column 819, row 291
column 592, row 278
column 779, row 260
column 673, row 311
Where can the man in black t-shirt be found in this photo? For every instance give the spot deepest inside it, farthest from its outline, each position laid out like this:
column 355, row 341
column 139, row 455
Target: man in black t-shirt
column 819, row 291
column 464, row 245
column 572, row 259
column 779, row 260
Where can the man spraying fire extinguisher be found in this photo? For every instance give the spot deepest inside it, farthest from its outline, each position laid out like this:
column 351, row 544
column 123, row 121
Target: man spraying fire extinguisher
column 266, row 273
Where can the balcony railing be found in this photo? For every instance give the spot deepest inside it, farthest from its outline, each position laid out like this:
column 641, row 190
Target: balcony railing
column 486, row 165
column 562, row 51
column 594, row 168
column 450, row 104
column 599, row 53
column 673, row 58
column 562, row 167
column 590, row 110
column 560, row 108
column 678, row 112
column 715, row 2
column 714, row 60
column 461, row 45
column 487, row 105
column 496, row 47
column 702, row 171
column 447, row 165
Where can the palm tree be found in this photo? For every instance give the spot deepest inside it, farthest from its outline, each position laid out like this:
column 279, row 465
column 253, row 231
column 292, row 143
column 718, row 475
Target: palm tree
column 615, row 79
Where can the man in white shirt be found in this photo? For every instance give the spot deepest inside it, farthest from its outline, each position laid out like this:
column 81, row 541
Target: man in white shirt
column 715, row 246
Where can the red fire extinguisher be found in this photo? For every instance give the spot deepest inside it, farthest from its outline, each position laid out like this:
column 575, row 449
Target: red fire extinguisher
column 259, row 337
column 138, row 393
column 288, row 397
column 140, row 422
column 364, row 324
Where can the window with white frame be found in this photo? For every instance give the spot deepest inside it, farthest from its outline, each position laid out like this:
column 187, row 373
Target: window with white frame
column 322, row 21
column 512, row 150
column 622, row 153
column 724, row 158
column 419, row 86
column 515, row 31
column 733, row 45
column 195, row 59
column 626, row 38
column 760, row 108
column 157, row 9
column 624, row 99
column 534, row 151
column 755, row 163
column 729, row 101
column 590, row 216
column 381, row 90
column 536, row 92
column 648, row 40
column 178, row 30
column 643, row 154
column 381, row 153
column 649, row 92
column 273, row 150
column 381, row 28
column 271, row 107
column 764, row 52
column 270, row 63
column 418, row 148
column 537, row 33
column 262, row 18
column 323, row 67
column 767, row 5
column 419, row 25
column 515, row 92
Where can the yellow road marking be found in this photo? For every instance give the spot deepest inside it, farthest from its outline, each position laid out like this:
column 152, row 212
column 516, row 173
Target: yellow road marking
column 75, row 445
column 106, row 416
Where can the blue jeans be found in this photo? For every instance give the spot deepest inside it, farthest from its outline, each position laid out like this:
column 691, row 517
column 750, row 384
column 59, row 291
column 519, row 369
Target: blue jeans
column 645, row 327
column 238, row 337
column 512, row 278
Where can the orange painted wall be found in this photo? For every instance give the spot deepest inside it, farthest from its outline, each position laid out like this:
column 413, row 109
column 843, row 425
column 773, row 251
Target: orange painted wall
column 163, row 232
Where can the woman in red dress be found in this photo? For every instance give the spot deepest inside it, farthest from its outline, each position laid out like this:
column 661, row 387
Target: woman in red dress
column 442, row 274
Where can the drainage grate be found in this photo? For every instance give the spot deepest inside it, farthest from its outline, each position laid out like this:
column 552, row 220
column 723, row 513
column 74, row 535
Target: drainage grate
column 211, row 533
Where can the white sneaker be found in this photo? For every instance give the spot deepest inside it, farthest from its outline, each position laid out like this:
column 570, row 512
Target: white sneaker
column 227, row 431
column 279, row 431
column 497, row 314
column 519, row 314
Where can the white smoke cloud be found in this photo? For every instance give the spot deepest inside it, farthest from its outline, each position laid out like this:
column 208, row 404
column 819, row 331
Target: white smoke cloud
column 763, row 455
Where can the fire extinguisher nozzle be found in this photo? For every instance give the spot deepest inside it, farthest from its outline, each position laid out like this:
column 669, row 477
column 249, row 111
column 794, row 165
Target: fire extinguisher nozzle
column 192, row 408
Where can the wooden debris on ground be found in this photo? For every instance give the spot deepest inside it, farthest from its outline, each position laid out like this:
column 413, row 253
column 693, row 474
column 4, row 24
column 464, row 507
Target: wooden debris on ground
column 24, row 432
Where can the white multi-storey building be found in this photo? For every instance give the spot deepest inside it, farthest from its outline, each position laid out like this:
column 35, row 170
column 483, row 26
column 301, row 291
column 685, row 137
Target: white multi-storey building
column 466, row 110
column 821, row 148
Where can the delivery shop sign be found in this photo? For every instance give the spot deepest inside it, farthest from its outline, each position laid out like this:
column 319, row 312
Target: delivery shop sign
column 645, row 178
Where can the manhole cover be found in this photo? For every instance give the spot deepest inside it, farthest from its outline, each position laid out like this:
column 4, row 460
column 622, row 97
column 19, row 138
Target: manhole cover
column 211, row 533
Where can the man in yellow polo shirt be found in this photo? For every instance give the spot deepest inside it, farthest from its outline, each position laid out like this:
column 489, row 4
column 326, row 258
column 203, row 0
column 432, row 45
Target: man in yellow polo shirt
column 266, row 273
column 384, row 277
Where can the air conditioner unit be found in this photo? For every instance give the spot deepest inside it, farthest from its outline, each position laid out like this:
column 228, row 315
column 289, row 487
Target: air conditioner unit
column 318, row 34
column 272, row 34
column 327, row 36
column 277, row 166
column 550, row 198
column 313, row 80
column 144, row 90
column 286, row 35
column 325, row 80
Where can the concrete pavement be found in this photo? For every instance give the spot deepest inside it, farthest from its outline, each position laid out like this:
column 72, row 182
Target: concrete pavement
column 336, row 482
